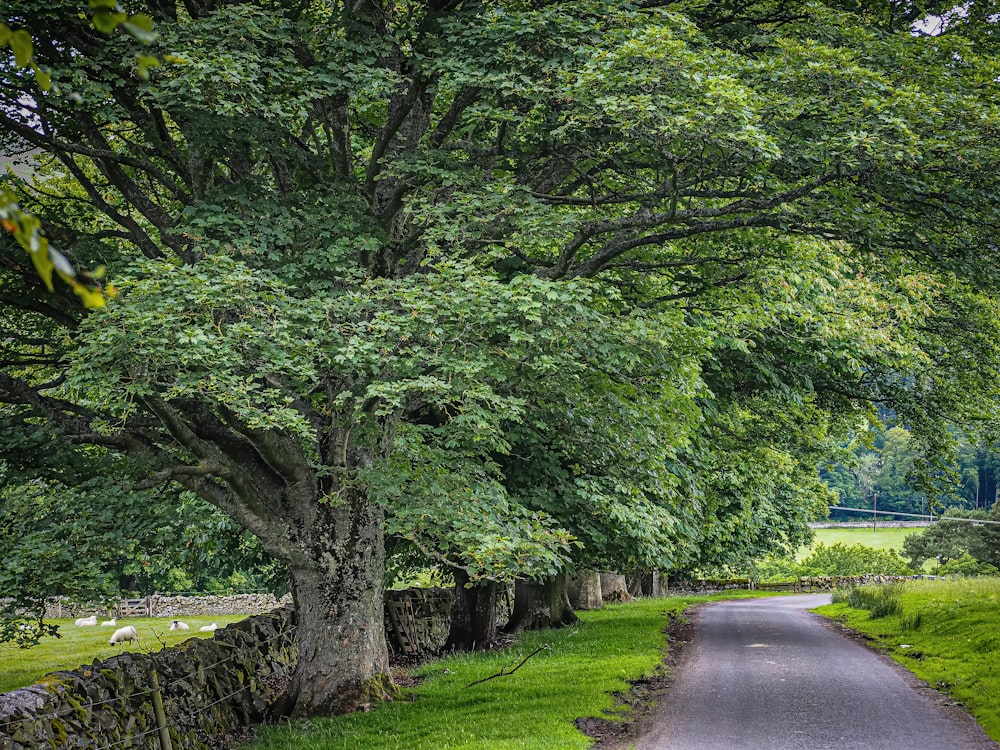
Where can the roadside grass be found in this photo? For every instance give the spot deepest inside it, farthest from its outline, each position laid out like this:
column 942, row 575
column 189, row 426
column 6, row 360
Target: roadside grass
column 532, row 709
column 20, row 667
column 946, row 632
column 882, row 538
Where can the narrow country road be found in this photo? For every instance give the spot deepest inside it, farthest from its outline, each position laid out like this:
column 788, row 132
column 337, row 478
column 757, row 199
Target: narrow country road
column 766, row 674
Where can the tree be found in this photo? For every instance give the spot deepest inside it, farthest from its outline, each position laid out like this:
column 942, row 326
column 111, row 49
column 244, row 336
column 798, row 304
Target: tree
column 350, row 238
column 947, row 540
column 96, row 543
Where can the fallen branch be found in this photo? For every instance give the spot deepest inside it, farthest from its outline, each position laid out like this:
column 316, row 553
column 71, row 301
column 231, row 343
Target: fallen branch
column 504, row 673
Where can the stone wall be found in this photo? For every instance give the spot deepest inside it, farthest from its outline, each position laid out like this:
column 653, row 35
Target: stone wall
column 251, row 604
column 210, row 688
column 158, row 605
column 431, row 609
column 803, row 585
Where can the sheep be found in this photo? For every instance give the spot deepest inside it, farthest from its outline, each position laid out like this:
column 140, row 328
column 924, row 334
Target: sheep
column 85, row 621
column 178, row 625
column 208, row 628
column 124, row 635
column 112, row 623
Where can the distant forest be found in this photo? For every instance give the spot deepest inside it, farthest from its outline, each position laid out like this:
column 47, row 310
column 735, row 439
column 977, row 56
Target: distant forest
column 893, row 471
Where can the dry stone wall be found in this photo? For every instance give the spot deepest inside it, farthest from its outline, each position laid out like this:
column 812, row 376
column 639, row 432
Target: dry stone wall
column 158, row 605
column 210, row 688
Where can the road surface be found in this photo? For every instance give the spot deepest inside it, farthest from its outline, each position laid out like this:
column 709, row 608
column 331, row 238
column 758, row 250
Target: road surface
column 766, row 674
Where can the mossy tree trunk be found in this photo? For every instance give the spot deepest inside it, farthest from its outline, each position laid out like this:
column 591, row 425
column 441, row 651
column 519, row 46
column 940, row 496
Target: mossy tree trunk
column 473, row 615
column 337, row 585
column 584, row 590
column 541, row 605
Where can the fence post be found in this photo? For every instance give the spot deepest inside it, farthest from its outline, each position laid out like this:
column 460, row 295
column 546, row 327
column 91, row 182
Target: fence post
column 159, row 713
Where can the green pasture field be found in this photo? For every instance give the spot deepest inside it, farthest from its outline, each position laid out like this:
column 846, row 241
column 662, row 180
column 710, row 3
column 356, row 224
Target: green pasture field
column 946, row 634
column 881, row 538
column 534, row 708
column 20, row 667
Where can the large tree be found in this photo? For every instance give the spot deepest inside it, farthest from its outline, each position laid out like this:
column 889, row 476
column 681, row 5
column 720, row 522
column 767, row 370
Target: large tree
column 349, row 237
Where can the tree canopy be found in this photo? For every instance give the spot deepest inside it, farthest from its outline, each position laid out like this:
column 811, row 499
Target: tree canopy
column 526, row 285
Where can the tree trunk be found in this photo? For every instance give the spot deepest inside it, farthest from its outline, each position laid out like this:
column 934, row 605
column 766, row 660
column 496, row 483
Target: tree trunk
column 634, row 583
column 337, row 585
column 473, row 615
column 585, row 590
column 614, row 587
column 541, row 605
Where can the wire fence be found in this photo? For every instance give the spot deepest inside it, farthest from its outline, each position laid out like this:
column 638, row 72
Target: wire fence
column 164, row 689
column 870, row 512
column 131, row 738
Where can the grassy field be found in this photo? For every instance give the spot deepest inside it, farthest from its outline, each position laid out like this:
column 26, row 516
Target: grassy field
column 882, row 538
column 947, row 635
column 532, row 709
column 23, row 666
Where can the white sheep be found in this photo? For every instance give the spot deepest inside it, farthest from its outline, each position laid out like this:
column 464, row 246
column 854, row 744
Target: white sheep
column 178, row 625
column 208, row 628
column 124, row 635
column 85, row 621
column 112, row 623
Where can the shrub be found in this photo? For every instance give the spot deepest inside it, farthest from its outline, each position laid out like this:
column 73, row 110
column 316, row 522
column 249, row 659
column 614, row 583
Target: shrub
column 880, row 601
column 968, row 566
column 853, row 560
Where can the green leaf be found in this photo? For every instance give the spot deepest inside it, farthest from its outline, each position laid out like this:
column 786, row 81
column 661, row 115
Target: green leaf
column 141, row 27
column 145, row 63
column 20, row 43
column 107, row 21
column 43, row 79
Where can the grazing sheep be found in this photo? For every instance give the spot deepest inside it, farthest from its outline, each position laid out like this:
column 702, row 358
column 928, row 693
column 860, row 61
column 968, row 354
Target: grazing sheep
column 112, row 623
column 208, row 628
column 178, row 625
column 85, row 621
column 124, row 635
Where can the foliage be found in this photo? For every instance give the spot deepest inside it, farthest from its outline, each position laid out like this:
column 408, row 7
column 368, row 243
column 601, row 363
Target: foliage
column 836, row 559
column 967, row 566
column 107, row 16
column 527, row 285
column 843, row 560
column 890, row 468
column 93, row 544
column 948, row 540
column 953, row 646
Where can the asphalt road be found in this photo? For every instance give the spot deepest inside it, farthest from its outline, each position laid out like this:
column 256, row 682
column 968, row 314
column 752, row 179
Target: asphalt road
column 766, row 674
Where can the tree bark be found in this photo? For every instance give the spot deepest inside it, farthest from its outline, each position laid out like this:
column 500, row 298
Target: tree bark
column 614, row 587
column 337, row 585
column 541, row 605
column 473, row 615
column 634, row 584
column 585, row 590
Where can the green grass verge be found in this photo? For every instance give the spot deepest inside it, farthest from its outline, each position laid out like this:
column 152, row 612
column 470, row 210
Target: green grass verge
column 532, row 709
column 881, row 538
column 952, row 641
column 20, row 667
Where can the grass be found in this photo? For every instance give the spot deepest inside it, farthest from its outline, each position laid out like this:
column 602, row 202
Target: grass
column 882, row 538
column 946, row 633
column 20, row 667
column 532, row 709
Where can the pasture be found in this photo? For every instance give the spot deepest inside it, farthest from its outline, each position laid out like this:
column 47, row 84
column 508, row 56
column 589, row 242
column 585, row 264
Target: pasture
column 20, row 667
column 881, row 538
